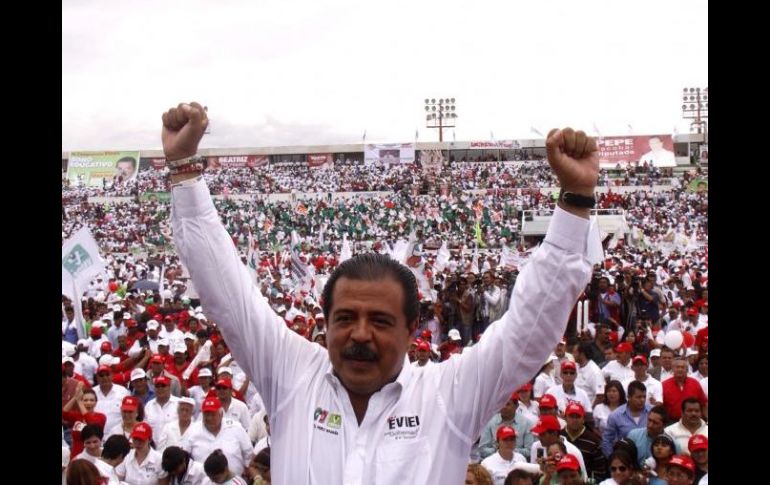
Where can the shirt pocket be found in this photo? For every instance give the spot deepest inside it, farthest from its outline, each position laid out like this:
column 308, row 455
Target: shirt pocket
column 400, row 462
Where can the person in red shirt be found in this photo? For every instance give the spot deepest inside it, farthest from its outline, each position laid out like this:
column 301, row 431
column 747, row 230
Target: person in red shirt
column 452, row 345
column 679, row 388
column 78, row 412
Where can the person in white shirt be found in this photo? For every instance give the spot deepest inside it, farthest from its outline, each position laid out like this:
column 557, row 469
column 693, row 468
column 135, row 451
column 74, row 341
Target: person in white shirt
column 528, row 407
column 357, row 412
column 85, row 365
column 162, row 408
column 501, row 462
column 218, row 469
column 589, row 376
column 153, row 338
column 658, row 155
column 544, row 379
column 567, row 392
column 654, row 387
column 169, row 332
column 199, row 392
column 215, row 432
column 422, row 352
column 172, row 432
column 620, row 368
column 109, row 396
column 688, row 426
column 562, row 356
column 181, row 468
column 114, row 451
column 234, row 409
column 142, row 465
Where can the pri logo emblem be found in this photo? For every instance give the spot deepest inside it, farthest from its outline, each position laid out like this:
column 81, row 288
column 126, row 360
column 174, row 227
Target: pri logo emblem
column 77, row 261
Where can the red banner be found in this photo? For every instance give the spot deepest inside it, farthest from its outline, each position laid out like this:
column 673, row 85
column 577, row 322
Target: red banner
column 623, row 150
column 320, row 160
column 238, row 161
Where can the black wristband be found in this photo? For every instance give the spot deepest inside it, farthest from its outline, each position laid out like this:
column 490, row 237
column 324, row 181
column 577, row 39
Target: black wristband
column 577, row 200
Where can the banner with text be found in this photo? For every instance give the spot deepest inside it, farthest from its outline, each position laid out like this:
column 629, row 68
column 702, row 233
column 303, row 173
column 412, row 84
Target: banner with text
column 93, row 168
column 495, row 145
column 623, row 150
column 320, row 160
column 238, row 161
column 389, row 153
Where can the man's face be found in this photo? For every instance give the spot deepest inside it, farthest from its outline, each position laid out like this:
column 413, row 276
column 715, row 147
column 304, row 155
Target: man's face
column 639, row 368
column 680, row 369
column 507, row 445
column 655, row 361
column 547, row 438
column 169, row 325
column 575, row 422
column 508, row 411
column 691, row 415
column 701, row 457
column 422, row 356
column 655, row 424
column 212, row 420
column 122, row 342
column 204, row 381
column 666, row 360
column 184, row 411
column 636, row 400
column 560, row 349
column 568, row 376
column 569, row 477
column 104, row 378
column 655, row 144
column 70, row 313
column 93, row 446
column 487, row 279
column 139, row 385
column 368, row 335
column 179, row 358
column 224, row 393
column 703, row 367
column 162, row 391
column 603, row 285
column 677, row 476
column 603, row 334
column 69, row 369
column 126, row 169
column 152, row 332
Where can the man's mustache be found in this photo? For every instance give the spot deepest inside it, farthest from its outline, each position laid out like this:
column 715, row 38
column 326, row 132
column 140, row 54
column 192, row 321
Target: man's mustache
column 359, row 352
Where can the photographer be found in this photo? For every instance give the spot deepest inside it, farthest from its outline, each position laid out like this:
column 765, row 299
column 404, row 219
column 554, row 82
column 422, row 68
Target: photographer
column 608, row 303
column 648, row 301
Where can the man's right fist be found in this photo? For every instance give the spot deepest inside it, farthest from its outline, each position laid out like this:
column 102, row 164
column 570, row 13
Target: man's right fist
column 183, row 128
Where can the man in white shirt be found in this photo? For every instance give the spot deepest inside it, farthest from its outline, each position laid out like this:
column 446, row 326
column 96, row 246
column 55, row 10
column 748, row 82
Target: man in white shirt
column 654, row 388
column 200, row 391
column 658, row 155
column 214, row 431
column 620, row 368
column 501, row 462
column 422, row 354
column 109, row 396
column 169, row 332
column 688, row 426
column 567, row 392
column 234, row 409
column 152, row 335
column 589, row 376
column 172, row 432
column 85, row 365
column 357, row 412
column 161, row 410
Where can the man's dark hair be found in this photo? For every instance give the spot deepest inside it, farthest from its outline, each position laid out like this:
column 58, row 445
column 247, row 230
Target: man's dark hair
column 173, row 456
column 517, row 474
column 660, row 410
column 116, row 446
column 373, row 267
column 91, row 430
column 586, row 349
column 636, row 386
column 690, row 400
column 263, row 457
column 216, row 463
column 666, row 349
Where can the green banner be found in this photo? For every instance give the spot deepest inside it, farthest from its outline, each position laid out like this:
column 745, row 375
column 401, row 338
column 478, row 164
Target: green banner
column 698, row 184
column 155, row 197
column 91, row 169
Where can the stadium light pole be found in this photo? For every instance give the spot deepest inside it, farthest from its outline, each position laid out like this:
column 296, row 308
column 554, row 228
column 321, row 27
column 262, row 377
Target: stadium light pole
column 440, row 113
column 696, row 107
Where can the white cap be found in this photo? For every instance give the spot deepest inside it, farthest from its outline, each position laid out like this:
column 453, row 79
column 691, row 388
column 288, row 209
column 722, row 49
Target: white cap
column 279, row 295
column 189, row 335
column 164, row 342
column 691, row 352
column 167, row 295
column 126, row 315
column 152, row 325
column 454, row 334
column 116, row 308
column 138, row 374
column 107, row 316
column 201, row 316
column 179, row 348
column 68, row 359
column 83, row 341
column 280, row 309
column 205, row 372
column 106, row 359
column 654, row 353
column 319, row 315
column 186, row 400
column 551, row 357
column 224, row 369
column 198, row 309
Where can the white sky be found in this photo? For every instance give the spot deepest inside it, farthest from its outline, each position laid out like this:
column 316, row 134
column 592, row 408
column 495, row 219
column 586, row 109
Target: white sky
column 311, row 72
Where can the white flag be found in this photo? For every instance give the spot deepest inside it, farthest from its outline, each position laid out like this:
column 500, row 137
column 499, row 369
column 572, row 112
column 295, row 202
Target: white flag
column 80, row 263
column 252, row 259
column 162, row 283
column 345, row 252
column 442, row 258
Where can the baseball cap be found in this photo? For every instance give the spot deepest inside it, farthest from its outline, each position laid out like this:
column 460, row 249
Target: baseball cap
column 454, row 334
column 547, row 401
column 131, row 323
column 568, row 462
column 624, row 347
column 152, row 325
column 514, row 396
column 526, row 387
column 103, row 368
column 68, row 359
column 639, row 358
column 142, row 431
column 211, row 404
column 224, row 370
column 180, row 348
column 224, row 383
column 157, row 359
column 426, row 334
column 654, row 353
column 423, row 346
column 504, row 432
column 130, row 403
column 546, row 423
column 683, row 461
column 162, row 380
column 698, row 442
column 164, row 342
column 187, row 400
column 574, row 408
column 692, row 312
column 568, row 364
column 205, row 372
column 189, row 335
column 138, row 374
column 96, row 331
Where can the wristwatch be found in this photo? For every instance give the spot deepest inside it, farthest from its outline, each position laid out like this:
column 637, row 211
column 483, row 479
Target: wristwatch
column 577, row 200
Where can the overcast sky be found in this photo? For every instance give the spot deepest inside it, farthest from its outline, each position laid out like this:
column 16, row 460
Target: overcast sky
column 311, row 72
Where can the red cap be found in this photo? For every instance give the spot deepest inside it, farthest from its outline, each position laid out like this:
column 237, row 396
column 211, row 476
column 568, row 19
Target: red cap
column 157, row 359
column 224, row 383
column 526, row 387
column 131, row 323
column 300, row 316
column 423, row 346
column 130, row 403
column 504, row 432
column 568, row 364
column 547, row 401
column 575, row 408
column 96, row 332
column 683, row 461
column 546, row 423
column 568, row 462
column 426, row 334
column 163, row 380
column 639, row 358
column 624, row 347
column 515, row 397
column 211, row 404
column 157, row 317
column 142, row 431
column 698, row 442
column 168, row 318
column 614, row 337
column 106, row 347
column 103, row 368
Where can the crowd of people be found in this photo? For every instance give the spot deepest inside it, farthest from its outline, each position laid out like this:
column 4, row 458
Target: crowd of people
column 151, row 393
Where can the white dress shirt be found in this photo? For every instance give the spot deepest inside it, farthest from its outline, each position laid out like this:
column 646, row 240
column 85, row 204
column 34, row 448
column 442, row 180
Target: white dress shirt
column 147, row 473
column 231, row 439
column 499, row 467
column 109, row 404
column 157, row 415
